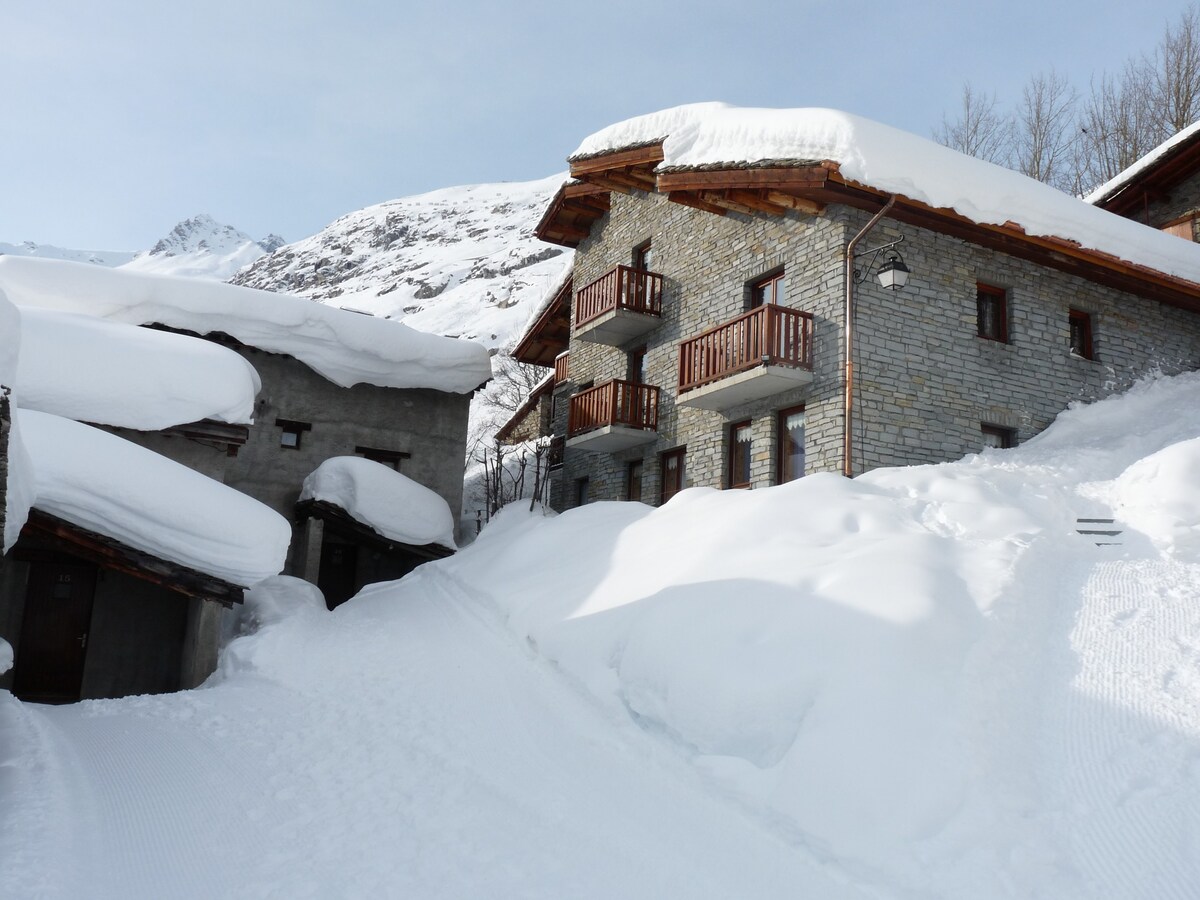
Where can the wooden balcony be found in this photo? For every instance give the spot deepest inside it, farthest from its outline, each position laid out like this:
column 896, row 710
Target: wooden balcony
column 619, row 306
column 562, row 367
column 613, row 416
column 762, row 352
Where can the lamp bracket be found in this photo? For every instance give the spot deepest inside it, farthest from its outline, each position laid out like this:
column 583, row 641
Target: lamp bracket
column 860, row 274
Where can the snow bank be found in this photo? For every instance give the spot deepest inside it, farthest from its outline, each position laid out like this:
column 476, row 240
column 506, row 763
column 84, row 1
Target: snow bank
column 18, row 490
column 146, row 501
column 887, row 159
column 111, row 373
column 344, row 347
column 376, row 495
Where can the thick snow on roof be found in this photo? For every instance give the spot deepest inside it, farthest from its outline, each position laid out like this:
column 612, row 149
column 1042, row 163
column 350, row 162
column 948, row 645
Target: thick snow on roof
column 393, row 504
column 344, row 347
column 110, row 373
column 1113, row 185
column 18, row 490
column 115, row 488
column 887, row 159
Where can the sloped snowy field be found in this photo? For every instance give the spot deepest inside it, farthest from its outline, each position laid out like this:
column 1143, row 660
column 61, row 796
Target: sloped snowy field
column 924, row 683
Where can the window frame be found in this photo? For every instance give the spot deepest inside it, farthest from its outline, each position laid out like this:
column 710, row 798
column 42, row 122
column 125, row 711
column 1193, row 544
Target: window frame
column 292, row 428
column 679, row 453
column 1007, row 436
column 736, row 459
column 1080, row 316
column 764, row 291
column 643, row 256
column 782, row 444
column 634, row 471
column 986, row 295
column 390, row 458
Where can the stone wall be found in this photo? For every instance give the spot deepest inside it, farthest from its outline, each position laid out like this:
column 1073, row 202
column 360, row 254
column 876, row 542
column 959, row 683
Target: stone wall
column 1183, row 201
column 926, row 381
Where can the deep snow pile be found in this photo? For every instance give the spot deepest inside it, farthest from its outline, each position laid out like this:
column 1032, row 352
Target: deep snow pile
column 388, row 501
column 18, row 487
column 343, row 347
column 116, row 488
column 110, row 373
column 923, row 683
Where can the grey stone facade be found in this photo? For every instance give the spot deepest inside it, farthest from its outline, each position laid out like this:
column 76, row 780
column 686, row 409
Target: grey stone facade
column 1182, row 202
column 926, row 381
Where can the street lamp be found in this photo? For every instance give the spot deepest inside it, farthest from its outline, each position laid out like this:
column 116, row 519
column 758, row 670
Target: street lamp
column 892, row 274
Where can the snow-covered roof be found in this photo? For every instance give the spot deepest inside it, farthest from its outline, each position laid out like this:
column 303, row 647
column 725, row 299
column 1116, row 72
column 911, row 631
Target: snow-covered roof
column 107, row 485
column 344, row 347
column 1113, row 185
column 717, row 135
column 16, row 493
column 393, row 504
column 110, row 373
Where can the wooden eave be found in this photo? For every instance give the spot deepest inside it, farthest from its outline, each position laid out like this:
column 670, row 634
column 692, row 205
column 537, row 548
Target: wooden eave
column 1155, row 181
column 109, row 553
column 526, row 409
column 811, row 186
column 550, row 333
column 342, row 523
column 571, row 213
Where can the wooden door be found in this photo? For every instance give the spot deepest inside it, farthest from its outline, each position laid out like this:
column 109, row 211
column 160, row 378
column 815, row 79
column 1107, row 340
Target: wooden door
column 54, row 632
column 338, row 576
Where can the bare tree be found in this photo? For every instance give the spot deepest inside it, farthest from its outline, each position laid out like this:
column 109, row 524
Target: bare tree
column 1174, row 77
column 1044, row 131
column 1116, row 128
column 979, row 130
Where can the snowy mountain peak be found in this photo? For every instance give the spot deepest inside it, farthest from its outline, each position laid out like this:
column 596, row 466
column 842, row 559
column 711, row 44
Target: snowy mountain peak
column 201, row 247
column 460, row 261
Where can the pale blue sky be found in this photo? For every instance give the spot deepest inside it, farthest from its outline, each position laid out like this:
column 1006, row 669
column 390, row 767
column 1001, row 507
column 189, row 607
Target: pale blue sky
column 121, row 118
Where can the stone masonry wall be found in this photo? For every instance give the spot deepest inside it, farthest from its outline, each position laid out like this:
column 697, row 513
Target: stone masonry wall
column 1183, row 200
column 926, row 381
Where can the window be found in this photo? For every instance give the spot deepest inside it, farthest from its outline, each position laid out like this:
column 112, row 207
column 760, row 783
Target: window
column 581, row 491
column 771, row 289
column 998, row 437
column 739, row 455
column 633, row 480
column 791, row 444
column 672, row 463
column 636, row 367
column 991, row 305
column 390, row 458
column 289, row 438
column 643, row 257
column 1081, row 334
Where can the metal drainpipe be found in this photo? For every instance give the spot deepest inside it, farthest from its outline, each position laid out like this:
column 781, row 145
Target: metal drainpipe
column 848, row 420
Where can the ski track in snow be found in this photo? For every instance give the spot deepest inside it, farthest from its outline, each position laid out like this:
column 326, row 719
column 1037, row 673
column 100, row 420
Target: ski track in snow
column 1130, row 760
column 482, row 775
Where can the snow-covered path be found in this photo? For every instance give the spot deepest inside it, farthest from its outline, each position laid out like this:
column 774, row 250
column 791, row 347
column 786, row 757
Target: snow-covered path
column 479, row 773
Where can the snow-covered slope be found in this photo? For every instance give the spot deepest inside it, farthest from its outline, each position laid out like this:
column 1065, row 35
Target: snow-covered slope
column 200, row 247
column 922, row 683
column 460, row 261
column 49, row 251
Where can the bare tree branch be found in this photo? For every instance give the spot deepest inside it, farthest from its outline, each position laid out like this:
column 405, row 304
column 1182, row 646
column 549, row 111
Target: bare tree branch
column 979, row 130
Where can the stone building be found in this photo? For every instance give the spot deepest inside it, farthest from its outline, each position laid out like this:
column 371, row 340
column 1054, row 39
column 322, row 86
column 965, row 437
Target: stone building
column 718, row 251
column 321, row 383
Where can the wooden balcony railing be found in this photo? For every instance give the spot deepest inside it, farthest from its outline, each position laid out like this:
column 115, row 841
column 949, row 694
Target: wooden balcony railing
column 774, row 335
column 622, row 288
column 562, row 367
column 614, row 403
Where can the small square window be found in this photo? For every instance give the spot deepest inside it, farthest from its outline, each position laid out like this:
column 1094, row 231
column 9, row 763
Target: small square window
column 991, row 305
column 290, row 436
column 1081, row 334
column 997, row 437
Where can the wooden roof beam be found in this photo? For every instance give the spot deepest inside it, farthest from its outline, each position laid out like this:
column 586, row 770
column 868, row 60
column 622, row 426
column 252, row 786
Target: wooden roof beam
column 755, row 200
column 609, row 183
column 686, row 198
column 649, row 155
column 717, row 198
column 800, row 204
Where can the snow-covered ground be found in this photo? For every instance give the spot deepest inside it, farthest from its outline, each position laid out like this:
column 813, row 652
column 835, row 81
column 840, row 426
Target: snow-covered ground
column 924, row 683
